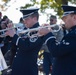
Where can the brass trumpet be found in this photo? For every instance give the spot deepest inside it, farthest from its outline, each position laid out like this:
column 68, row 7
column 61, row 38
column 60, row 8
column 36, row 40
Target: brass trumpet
column 36, row 29
column 32, row 30
column 2, row 32
column 35, row 36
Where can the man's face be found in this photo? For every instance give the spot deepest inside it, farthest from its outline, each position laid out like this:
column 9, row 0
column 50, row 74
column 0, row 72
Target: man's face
column 68, row 20
column 53, row 21
column 28, row 22
column 3, row 25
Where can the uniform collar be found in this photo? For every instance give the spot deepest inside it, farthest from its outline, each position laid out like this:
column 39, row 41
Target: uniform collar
column 72, row 28
column 35, row 25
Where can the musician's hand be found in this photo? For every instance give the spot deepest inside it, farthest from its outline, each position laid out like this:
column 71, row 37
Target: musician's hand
column 10, row 32
column 47, row 26
column 44, row 24
column 43, row 31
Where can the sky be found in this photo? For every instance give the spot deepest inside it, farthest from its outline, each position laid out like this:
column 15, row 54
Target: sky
column 14, row 14
column 13, row 11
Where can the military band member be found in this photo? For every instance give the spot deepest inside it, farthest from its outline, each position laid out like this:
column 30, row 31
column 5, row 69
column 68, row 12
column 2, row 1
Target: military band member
column 65, row 51
column 25, row 61
column 47, row 61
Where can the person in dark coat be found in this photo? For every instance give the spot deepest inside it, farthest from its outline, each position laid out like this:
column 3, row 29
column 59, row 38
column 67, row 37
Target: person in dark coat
column 64, row 52
column 5, row 40
column 25, row 60
column 47, row 60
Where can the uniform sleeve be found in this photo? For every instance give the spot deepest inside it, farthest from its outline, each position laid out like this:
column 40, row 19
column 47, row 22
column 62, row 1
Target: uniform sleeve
column 66, row 46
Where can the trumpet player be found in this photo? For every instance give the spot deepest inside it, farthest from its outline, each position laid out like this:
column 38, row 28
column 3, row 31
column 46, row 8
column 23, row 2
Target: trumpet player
column 64, row 52
column 47, row 61
column 25, row 61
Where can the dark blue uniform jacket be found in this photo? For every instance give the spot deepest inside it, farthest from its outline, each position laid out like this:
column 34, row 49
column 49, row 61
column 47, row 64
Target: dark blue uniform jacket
column 64, row 53
column 25, row 61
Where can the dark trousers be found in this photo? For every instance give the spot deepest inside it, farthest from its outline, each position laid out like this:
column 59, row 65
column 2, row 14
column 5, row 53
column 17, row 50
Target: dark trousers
column 47, row 63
